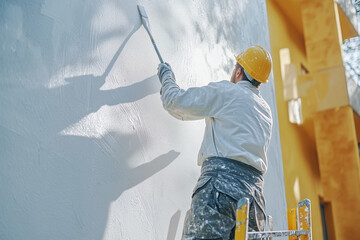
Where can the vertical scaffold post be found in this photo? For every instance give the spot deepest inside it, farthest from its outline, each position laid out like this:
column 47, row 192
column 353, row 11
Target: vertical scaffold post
column 269, row 225
column 292, row 222
column 304, row 211
column 242, row 219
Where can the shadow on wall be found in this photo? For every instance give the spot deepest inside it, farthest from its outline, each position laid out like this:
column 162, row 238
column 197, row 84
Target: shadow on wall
column 217, row 30
column 58, row 186
column 173, row 225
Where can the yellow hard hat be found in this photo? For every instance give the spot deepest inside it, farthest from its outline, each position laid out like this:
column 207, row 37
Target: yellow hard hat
column 257, row 63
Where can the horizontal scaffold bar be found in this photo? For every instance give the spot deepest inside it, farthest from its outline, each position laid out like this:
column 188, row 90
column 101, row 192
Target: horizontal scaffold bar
column 255, row 235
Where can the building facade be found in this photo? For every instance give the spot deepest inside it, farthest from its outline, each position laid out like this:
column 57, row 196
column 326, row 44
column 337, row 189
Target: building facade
column 317, row 100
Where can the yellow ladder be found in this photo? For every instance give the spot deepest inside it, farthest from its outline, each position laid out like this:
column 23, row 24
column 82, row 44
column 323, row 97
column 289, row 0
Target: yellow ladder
column 299, row 223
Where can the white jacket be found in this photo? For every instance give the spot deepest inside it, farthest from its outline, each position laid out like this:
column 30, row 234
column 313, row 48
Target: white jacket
column 238, row 120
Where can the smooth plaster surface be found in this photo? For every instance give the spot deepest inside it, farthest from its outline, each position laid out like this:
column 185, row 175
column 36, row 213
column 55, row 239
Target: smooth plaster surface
column 86, row 149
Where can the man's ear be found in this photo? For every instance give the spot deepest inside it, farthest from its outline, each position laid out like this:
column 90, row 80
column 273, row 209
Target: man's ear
column 238, row 72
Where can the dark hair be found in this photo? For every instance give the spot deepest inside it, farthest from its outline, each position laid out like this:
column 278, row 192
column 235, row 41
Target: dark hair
column 253, row 82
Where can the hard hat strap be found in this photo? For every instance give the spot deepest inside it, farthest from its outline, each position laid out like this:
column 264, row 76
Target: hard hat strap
column 251, row 79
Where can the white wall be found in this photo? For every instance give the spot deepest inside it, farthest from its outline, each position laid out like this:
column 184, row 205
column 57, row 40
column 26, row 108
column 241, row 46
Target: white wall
column 86, row 150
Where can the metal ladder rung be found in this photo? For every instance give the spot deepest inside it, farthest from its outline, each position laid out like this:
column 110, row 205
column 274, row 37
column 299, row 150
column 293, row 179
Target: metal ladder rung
column 257, row 235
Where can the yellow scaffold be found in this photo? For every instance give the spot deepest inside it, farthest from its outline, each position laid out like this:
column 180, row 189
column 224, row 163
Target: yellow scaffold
column 299, row 223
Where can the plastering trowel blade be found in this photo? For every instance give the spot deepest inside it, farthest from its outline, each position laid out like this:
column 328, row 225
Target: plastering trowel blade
column 145, row 22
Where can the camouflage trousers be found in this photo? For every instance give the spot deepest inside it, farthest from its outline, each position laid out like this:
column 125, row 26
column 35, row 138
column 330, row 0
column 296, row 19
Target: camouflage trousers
column 214, row 201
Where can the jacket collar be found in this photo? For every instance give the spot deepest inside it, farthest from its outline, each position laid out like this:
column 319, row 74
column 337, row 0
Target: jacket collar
column 248, row 84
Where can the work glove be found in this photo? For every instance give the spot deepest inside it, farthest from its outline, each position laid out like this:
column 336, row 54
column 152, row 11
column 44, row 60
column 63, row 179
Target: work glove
column 162, row 70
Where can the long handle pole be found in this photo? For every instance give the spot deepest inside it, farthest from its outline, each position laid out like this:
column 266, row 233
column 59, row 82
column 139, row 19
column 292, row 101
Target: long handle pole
column 145, row 22
column 156, row 49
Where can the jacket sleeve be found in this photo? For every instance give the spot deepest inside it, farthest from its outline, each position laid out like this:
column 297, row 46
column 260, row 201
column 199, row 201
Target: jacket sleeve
column 192, row 104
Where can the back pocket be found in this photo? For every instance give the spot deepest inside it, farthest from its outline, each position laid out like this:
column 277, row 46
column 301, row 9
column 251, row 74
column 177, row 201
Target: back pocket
column 200, row 184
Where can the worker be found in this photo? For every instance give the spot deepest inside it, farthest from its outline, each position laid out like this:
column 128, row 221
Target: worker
column 233, row 152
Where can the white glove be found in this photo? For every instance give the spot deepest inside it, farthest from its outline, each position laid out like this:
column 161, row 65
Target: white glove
column 162, row 69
